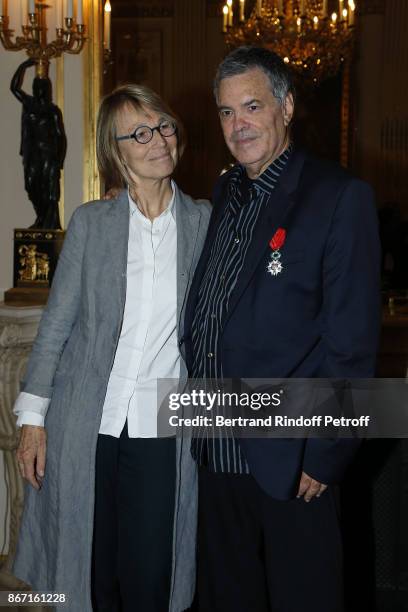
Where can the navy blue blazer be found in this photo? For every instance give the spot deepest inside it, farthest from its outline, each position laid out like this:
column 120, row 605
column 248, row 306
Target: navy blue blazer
column 319, row 318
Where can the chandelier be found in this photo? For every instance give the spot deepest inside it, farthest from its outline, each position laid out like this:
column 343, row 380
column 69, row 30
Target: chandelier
column 314, row 37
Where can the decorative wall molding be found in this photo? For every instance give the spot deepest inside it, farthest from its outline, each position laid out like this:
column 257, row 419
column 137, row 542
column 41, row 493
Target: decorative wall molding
column 394, row 157
column 139, row 55
column 156, row 8
column 394, row 104
column 367, row 7
column 214, row 9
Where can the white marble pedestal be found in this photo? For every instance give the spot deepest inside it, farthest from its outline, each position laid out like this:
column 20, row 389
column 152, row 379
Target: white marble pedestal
column 18, row 328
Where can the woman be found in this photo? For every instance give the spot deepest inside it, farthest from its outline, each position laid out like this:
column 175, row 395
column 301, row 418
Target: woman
column 100, row 509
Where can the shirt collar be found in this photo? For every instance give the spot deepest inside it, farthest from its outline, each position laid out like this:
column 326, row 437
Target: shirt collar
column 266, row 182
column 170, row 208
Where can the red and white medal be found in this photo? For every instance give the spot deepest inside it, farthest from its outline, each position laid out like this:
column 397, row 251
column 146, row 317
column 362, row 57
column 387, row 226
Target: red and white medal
column 275, row 265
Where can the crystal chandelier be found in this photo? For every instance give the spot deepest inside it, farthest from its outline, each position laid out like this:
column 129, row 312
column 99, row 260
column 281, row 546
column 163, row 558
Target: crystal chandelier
column 314, row 36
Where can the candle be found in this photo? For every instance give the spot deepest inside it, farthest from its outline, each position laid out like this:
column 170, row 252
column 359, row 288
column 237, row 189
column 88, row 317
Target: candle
column 259, row 8
column 31, row 6
column 352, row 8
column 242, row 10
column 107, row 24
column 69, row 9
column 79, row 15
column 324, row 9
column 315, row 22
column 58, row 13
column 280, row 7
column 299, row 24
column 341, row 2
column 230, row 12
column 24, row 12
column 334, row 18
column 224, row 18
column 345, row 14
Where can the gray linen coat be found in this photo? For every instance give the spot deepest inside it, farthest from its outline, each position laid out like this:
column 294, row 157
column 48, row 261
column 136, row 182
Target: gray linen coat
column 70, row 363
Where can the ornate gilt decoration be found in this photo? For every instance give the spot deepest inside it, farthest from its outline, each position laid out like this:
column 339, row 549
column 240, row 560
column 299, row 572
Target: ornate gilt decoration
column 34, row 266
column 313, row 36
column 69, row 39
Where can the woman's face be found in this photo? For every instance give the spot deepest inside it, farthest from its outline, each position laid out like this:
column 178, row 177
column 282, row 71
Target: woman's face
column 156, row 159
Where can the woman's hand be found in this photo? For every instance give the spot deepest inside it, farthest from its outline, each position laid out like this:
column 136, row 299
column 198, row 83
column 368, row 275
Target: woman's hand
column 31, row 454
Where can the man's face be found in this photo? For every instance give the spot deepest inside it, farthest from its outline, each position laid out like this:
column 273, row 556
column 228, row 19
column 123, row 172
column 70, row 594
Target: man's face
column 254, row 122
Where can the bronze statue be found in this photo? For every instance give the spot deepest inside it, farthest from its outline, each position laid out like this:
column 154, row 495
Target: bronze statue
column 43, row 147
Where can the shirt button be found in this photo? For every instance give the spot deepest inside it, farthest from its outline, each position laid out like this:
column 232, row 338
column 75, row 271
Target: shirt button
column 210, row 355
column 236, row 240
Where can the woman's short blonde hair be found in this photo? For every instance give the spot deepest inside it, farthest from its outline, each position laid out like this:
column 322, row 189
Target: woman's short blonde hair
column 110, row 162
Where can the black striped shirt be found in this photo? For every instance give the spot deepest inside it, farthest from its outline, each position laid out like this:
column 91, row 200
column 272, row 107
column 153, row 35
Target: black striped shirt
column 219, row 450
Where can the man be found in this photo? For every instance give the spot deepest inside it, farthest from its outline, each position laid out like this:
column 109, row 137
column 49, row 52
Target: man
column 43, row 146
column 305, row 305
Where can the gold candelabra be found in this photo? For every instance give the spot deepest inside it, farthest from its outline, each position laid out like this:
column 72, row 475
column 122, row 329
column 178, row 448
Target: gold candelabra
column 70, row 34
column 314, row 36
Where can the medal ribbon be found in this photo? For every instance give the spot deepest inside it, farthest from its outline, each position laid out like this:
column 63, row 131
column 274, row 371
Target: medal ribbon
column 278, row 239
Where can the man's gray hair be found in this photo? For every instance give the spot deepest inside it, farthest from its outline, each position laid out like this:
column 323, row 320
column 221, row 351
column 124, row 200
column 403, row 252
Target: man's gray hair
column 245, row 58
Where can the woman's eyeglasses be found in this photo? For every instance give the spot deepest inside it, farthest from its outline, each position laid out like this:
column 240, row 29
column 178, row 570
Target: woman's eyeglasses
column 143, row 134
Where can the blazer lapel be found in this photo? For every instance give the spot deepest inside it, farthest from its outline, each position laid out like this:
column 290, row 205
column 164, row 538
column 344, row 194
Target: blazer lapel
column 202, row 264
column 279, row 205
column 275, row 214
column 188, row 222
column 117, row 239
column 268, row 222
column 188, row 219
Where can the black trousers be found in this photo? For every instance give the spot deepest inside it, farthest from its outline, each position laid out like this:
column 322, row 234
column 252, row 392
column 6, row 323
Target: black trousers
column 133, row 523
column 257, row 554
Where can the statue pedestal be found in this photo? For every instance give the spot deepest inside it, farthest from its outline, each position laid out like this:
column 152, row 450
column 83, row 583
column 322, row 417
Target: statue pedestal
column 18, row 328
column 23, row 296
column 36, row 253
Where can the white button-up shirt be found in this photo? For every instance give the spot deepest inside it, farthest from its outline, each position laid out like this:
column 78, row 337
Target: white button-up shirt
column 147, row 349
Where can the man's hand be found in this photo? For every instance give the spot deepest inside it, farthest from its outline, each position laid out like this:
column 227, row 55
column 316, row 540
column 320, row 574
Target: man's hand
column 309, row 488
column 112, row 194
column 31, row 454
